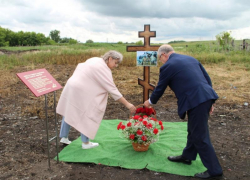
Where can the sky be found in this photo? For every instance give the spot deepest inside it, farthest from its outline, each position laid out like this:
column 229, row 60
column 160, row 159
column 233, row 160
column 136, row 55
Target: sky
column 120, row 20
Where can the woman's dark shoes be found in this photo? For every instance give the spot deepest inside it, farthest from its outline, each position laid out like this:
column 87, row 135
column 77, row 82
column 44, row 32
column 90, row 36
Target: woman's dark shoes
column 205, row 175
column 179, row 159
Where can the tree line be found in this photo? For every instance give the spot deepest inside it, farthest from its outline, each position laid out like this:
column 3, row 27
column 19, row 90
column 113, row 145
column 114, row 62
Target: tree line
column 20, row 38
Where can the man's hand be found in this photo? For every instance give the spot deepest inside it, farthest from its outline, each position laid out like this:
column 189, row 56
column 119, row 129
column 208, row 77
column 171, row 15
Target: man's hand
column 211, row 110
column 146, row 103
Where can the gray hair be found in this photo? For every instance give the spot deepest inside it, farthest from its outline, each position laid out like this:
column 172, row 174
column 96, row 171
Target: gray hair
column 165, row 49
column 113, row 54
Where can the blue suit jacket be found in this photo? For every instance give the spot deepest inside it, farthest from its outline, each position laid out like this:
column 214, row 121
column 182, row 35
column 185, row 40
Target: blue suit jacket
column 189, row 81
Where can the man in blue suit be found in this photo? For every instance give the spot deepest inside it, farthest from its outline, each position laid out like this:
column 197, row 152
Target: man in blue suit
column 193, row 88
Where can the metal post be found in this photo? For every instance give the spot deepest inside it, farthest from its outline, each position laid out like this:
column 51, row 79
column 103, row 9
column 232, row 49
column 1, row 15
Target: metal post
column 56, row 127
column 46, row 113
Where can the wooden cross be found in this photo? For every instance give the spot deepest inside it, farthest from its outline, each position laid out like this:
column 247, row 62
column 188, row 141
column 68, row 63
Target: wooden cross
column 145, row 83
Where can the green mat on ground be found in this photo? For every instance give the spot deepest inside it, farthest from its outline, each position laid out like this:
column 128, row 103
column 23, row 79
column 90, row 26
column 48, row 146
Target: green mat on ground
column 114, row 150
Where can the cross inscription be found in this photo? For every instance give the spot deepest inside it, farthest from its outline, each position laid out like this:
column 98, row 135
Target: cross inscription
column 145, row 83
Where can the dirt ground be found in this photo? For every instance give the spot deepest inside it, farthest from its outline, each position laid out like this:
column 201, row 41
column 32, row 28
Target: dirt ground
column 23, row 139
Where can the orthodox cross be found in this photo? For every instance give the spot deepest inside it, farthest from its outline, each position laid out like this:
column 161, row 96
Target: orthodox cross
column 145, row 83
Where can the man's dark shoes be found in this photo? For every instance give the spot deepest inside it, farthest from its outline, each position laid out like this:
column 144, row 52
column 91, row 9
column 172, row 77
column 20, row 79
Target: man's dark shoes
column 179, row 159
column 205, row 175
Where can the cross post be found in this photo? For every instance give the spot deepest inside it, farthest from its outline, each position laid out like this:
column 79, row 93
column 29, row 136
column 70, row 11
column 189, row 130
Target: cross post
column 145, row 83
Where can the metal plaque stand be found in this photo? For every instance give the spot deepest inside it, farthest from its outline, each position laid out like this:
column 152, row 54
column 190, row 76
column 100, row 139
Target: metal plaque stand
column 47, row 131
column 40, row 82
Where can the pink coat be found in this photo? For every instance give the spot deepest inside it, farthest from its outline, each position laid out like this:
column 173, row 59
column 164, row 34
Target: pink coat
column 84, row 98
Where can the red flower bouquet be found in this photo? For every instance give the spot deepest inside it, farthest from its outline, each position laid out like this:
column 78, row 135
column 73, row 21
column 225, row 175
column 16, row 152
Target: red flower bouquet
column 143, row 128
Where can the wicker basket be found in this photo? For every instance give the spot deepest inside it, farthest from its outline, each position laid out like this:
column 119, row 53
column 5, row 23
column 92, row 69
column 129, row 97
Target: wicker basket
column 140, row 147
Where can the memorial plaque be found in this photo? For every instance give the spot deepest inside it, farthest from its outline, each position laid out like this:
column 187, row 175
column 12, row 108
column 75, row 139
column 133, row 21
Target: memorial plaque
column 146, row 58
column 39, row 81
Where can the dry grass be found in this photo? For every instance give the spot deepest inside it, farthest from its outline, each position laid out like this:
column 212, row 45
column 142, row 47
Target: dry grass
column 230, row 81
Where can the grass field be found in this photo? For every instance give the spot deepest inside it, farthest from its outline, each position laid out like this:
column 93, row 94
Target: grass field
column 229, row 70
column 206, row 52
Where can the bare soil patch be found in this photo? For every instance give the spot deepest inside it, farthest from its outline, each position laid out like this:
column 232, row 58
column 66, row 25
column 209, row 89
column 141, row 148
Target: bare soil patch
column 23, row 144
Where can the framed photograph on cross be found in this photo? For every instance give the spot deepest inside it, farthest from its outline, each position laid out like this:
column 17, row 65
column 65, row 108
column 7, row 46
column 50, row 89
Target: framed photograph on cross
column 146, row 58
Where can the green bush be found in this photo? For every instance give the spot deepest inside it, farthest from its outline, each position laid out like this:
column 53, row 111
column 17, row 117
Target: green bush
column 72, row 41
column 89, row 41
column 51, row 42
column 139, row 43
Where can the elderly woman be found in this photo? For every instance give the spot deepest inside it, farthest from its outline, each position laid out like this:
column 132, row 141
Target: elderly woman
column 84, row 98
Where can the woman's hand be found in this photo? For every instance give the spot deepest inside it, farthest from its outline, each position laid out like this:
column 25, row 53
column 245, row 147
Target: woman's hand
column 131, row 108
